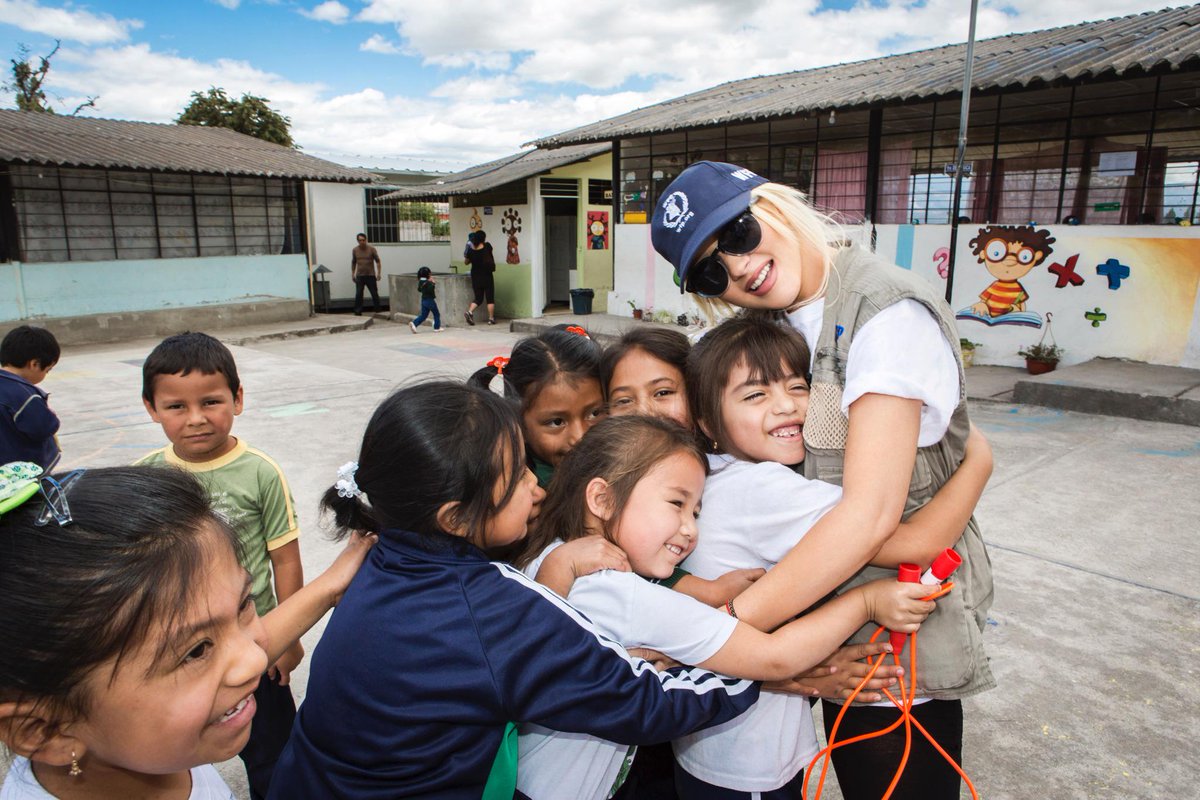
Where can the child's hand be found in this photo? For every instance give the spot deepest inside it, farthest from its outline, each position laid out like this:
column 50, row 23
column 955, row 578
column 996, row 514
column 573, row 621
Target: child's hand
column 896, row 605
column 659, row 661
column 282, row 669
column 731, row 584
column 338, row 575
column 577, row 558
column 837, row 676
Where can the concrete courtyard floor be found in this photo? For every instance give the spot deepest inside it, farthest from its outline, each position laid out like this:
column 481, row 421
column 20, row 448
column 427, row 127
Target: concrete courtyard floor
column 1094, row 635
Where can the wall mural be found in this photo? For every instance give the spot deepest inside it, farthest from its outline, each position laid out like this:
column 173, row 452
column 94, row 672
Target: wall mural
column 1118, row 296
column 597, row 230
column 511, row 226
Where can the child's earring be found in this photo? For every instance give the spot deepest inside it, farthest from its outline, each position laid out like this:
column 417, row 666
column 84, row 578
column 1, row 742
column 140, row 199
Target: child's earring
column 716, row 448
column 75, row 770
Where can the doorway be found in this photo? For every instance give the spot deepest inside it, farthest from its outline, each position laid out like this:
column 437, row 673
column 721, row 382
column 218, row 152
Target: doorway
column 562, row 236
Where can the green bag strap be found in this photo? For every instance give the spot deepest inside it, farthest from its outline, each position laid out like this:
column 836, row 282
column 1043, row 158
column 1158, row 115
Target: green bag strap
column 502, row 780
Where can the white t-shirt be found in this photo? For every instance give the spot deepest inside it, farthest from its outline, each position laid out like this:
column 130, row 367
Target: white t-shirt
column 20, row 784
column 637, row 613
column 899, row 352
column 752, row 515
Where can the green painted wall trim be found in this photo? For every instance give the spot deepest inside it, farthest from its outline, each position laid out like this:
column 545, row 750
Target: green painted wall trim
column 514, row 291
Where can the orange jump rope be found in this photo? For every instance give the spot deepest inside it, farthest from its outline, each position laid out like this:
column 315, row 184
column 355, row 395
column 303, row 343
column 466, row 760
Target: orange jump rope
column 942, row 567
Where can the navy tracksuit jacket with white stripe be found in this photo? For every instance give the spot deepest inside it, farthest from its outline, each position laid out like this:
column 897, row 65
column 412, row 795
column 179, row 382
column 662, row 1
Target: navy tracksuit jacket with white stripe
column 434, row 648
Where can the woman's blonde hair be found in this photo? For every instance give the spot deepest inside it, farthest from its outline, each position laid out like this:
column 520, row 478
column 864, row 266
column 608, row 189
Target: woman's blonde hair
column 787, row 212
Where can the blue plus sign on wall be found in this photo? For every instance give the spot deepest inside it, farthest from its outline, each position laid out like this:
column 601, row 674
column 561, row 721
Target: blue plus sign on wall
column 1115, row 271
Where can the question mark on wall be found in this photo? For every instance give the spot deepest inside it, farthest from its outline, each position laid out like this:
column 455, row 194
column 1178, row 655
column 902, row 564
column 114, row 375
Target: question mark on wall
column 941, row 257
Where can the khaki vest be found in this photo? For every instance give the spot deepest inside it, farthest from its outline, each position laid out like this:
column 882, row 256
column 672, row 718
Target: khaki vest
column 951, row 660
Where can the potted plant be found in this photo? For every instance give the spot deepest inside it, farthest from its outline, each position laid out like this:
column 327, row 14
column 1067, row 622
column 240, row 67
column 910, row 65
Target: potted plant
column 647, row 314
column 968, row 351
column 1041, row 357
column 637, row 312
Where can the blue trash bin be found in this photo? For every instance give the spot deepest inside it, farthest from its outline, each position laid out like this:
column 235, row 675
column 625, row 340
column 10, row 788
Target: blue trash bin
column 581, row 301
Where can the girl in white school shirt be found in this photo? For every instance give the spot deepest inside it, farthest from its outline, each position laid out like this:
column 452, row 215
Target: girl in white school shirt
column 887, row 420
column 638, row 482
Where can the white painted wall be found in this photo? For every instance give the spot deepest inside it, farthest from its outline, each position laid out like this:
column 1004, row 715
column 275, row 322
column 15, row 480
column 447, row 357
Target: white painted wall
column 336, row 214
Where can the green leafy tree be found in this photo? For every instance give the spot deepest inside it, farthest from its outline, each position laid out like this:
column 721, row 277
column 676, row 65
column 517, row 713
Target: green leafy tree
column 27, row 80
column 250, row 115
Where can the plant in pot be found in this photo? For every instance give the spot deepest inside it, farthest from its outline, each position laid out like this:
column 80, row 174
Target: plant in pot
column 637, row 312
column 968, row 351
column 647, row 314
column 1041, row 357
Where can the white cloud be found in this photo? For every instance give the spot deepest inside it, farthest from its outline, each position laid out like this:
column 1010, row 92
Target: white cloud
column 66, row 23
column 329, row 11
column 505, row 66
column 379, row 44
column 230, row 4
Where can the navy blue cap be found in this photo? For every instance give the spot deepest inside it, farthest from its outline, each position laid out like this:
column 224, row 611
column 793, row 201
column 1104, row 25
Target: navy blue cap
column 697, row 204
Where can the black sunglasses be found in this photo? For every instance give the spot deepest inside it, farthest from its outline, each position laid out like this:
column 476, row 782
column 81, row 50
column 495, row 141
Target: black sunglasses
column 708, row 276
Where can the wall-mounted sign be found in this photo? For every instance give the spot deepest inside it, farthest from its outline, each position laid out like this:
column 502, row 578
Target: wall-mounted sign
column 1118, row 165
column 487, row 211
column 1107, row 207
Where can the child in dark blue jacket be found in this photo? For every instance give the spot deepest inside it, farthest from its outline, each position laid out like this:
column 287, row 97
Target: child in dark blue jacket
column 436, row 650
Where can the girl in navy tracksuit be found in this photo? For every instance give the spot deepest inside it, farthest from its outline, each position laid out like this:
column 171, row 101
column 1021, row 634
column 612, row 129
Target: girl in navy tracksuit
column 435, row 650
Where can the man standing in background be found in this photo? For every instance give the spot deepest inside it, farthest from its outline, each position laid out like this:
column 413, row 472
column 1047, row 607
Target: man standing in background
column 367, row 269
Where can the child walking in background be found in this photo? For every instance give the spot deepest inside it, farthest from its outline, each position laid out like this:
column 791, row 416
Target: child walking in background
column 748, row 393
column 435, row 650
column 638, row 482
column 132, row 648
column 27, row 425
column 190, row 386
column 428, row 289
column 888, row 421
column 555, row 377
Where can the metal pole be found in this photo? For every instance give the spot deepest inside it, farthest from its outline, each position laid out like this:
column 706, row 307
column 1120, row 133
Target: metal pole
column 963, row 115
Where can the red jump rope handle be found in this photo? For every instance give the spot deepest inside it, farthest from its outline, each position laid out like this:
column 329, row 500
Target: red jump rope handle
column 908, row 573
column 942, row 567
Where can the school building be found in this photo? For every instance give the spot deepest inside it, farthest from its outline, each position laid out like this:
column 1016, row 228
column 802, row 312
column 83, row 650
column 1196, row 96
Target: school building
column 113, row 228
column 1088, row 133
column 546, row 214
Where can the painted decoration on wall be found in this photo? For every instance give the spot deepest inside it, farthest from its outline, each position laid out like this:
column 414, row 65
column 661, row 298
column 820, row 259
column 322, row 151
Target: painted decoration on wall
column 1008, row 253
column 597, row 230
column 941, row 259
column 511, row 226
column 475, row 223
column 1151, row 315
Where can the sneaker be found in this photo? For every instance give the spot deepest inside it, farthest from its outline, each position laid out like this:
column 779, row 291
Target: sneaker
column 469, row 317
column 438, row 330
column 491, row 322
column 412, row 326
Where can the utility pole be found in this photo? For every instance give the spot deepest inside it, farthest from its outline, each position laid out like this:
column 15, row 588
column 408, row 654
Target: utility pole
column 963, row 115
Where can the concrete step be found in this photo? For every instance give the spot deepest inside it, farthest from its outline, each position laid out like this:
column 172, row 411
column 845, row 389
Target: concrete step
column 1117, row 388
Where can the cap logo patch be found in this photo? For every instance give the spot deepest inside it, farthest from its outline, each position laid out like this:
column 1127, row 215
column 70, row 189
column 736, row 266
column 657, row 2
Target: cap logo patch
column 675, row 211
column 742, row 174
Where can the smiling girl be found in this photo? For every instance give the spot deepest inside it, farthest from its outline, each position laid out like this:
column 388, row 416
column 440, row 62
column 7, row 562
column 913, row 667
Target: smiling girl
column 638, row 481
column 887, row 420
column 132, row 647
column 555, row 377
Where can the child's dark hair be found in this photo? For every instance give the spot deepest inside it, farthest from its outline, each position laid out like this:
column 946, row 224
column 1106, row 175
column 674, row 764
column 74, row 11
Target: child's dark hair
column 75, row 596
column 185, row 352
column 621, row 450
column 424, row 272
column 537, row 361
column 1026, row 235
column 769, row 349
column 667, row 345
column 25, row 343
column 426, row 445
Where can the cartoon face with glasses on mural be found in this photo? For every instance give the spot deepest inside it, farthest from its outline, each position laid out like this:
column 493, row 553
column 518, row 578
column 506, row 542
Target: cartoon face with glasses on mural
column 1009, row 253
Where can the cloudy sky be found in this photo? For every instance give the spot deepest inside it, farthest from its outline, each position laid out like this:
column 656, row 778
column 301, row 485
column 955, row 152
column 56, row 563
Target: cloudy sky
column 445, row 84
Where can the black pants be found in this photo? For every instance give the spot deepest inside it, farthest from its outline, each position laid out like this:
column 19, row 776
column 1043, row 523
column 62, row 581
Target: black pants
column 485, row 288
column 269, row 732
column 865, row 769
column 652, row 776
column 367, row 281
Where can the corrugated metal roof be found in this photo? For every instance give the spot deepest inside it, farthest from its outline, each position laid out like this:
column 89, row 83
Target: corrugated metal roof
column 33, row 137
column 1115, row 46
column 518, row 166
